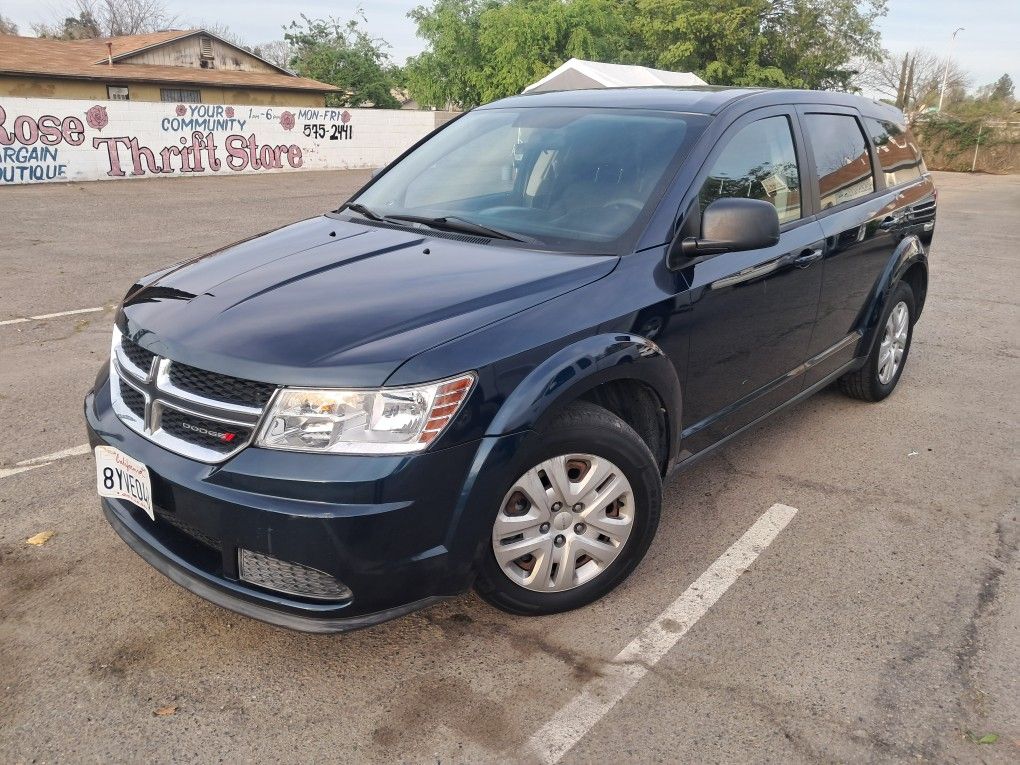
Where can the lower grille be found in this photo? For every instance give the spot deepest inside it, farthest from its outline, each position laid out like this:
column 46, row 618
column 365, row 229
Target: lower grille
column 187, row 528
column 207, row 433
column 291, row 578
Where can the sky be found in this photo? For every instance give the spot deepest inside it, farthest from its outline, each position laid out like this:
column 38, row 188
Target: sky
column 988, row 47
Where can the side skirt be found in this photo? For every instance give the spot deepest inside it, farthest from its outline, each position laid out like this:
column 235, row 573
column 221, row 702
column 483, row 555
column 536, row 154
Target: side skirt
column 806, row 393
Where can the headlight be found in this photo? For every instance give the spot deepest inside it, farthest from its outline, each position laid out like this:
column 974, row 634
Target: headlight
column 384, row 421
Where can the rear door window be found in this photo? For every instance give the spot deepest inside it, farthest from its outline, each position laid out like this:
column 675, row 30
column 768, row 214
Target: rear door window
column 759, row 162
column 897, row 151
column 842, row 162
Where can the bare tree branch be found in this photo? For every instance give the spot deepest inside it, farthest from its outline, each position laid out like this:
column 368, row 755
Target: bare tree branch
column 108, row 18
column 891, row 79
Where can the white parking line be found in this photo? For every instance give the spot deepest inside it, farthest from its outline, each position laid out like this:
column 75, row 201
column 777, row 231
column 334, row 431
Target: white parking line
column 24, row 319
column 47, row 459
column 570, row 724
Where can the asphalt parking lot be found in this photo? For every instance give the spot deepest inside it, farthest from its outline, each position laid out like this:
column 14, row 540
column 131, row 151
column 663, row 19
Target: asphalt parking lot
column 880, row 624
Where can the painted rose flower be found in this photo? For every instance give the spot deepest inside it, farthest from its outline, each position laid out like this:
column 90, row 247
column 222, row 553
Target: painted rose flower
column 287, row 121
column 229, row 111
column 345, row 117
column 97, row 117
column 181, row 110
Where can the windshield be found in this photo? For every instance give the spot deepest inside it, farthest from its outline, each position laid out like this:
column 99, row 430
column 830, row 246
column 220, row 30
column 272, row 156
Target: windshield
column 564, row 177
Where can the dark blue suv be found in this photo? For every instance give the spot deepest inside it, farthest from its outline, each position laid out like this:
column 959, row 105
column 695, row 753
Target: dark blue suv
column 480, row 369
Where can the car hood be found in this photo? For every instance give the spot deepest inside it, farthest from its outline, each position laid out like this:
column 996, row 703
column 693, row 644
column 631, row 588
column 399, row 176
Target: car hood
column 332, row 302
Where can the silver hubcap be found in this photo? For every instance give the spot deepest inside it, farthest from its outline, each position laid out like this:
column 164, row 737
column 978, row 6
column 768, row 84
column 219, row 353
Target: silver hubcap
column 563, row 522
column 894, row 342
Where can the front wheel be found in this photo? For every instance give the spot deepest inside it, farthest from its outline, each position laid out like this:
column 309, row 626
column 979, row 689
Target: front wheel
column 578, row 519
column 880, row 373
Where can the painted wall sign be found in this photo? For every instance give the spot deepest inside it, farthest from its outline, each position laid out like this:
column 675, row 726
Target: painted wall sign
column 60, row 140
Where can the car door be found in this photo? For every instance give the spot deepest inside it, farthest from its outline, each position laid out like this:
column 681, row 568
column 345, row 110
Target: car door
column 858, row 219
column 752, row 312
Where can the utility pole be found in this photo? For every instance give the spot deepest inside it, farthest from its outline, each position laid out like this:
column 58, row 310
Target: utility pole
column 945, row 72
column 908, row 86
column 900, row 101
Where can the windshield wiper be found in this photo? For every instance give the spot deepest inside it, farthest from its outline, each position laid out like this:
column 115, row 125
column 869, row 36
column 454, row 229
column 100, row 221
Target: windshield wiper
column 441, row 223
column 362, row 210
column 453, row 223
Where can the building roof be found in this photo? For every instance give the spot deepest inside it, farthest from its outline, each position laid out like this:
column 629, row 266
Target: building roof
column 87, row 59
column 597, row 74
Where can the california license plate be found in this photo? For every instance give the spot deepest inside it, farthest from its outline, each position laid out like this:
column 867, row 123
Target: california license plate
column 122, row 477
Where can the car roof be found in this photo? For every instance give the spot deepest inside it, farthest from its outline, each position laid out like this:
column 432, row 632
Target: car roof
column 707, row 99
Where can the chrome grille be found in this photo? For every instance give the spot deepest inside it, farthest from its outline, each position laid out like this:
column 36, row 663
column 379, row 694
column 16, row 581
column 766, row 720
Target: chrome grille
column 179, row 414
column 291, row 578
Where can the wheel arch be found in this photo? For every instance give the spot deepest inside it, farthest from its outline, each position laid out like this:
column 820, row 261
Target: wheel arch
column 625, row 373
column 908, row 264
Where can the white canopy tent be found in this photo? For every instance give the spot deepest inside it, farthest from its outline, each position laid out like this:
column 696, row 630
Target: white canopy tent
column 577, row 74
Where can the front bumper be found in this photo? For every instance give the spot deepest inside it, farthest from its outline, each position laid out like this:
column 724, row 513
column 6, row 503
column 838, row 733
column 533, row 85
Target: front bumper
column 237, row 598
column 395, row 530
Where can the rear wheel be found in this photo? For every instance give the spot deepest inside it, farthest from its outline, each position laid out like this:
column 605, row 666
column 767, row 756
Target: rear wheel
column 880, row 373
column 577, row 520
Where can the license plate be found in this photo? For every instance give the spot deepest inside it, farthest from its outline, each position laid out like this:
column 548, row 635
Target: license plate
column 123, row 477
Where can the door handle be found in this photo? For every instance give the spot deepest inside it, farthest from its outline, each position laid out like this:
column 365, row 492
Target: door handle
column 807, row 257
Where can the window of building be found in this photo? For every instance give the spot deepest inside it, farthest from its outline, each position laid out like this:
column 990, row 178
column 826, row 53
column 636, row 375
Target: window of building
column 759, row 162
column 897, row 151
column 118, row 93
column 206, row 46
column 180, row 96
column 841, row 157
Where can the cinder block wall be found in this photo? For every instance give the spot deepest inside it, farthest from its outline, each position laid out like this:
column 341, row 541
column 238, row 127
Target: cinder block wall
column 48, row 139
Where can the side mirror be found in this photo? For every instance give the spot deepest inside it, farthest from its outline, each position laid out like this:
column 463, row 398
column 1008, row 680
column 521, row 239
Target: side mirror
column 729, row 224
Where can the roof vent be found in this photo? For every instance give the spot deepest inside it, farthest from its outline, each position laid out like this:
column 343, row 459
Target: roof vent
column 206, row 44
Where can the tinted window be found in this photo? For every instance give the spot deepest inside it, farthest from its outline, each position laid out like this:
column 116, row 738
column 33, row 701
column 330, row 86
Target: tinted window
column 841, row 158
column 476, row 168
column 897, row 152
column 759, row 162
column 570, row 178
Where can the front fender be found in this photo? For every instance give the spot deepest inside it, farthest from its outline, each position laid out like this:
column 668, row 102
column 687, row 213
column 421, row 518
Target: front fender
column 909, row 252
column 581, row 366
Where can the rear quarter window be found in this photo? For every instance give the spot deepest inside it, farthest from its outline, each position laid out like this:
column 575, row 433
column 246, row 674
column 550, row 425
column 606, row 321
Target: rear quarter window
column 897, row 151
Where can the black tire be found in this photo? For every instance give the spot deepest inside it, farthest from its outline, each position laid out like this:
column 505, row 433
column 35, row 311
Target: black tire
column 588, row 429
column 865, row 384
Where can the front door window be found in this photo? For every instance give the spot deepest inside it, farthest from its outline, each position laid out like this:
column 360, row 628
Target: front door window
column 759, row 162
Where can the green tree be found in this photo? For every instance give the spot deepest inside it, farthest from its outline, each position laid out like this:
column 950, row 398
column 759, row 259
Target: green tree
column 447, row 72
column 1002, row 89
column 789, row 43
column 342, row 53
column 523, row 41
column 820, row 44
column 479, row 50
column 720, row 40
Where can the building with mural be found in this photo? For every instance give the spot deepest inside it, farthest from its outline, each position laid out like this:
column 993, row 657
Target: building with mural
column 175, row 66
